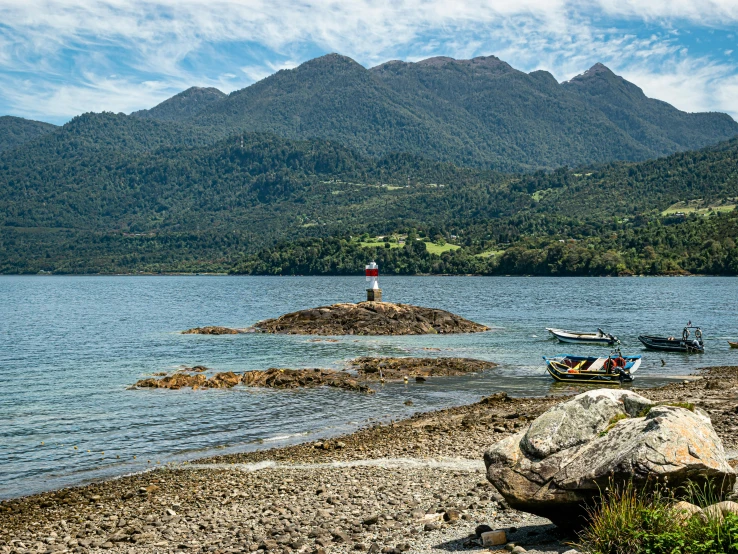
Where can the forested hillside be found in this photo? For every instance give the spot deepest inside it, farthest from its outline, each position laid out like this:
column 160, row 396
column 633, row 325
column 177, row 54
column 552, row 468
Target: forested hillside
column 479, row 112
column 184, row 105
column 209, row 208
column 194, row 185
column 700, row 245
column 15, row 131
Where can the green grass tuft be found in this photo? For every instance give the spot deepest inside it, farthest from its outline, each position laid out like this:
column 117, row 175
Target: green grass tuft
column 629, row 520
column 612, row 423
column 686, row 405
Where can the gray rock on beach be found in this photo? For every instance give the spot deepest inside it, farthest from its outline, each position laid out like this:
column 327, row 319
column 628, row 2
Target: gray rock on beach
column 584, row 445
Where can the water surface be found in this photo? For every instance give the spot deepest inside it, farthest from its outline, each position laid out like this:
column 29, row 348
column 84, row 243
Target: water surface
column 70, row 347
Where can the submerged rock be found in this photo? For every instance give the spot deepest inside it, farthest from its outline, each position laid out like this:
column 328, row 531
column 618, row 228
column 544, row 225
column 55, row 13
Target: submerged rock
column 224, row 380
column 369, row 318
column 279, row 378
column 212, row 330
column 598, row 439
column 174, row 382
column 373, row 369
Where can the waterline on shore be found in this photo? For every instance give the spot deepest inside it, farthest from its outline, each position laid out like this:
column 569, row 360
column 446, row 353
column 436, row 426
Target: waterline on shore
column 451, row 464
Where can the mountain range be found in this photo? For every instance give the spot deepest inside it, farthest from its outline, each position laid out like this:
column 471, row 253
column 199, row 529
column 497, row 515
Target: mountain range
column 479, row 112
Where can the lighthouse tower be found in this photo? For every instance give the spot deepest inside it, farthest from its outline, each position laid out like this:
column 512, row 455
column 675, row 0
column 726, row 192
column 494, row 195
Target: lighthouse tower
column 373, row 292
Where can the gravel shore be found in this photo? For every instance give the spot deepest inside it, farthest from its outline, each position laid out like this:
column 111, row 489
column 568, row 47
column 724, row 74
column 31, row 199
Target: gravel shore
column 416, row 485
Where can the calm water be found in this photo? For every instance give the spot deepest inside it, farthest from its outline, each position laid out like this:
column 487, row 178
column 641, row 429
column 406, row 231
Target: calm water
column 70, row 347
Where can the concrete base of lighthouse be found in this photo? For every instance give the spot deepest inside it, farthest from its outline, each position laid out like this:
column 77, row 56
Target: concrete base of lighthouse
column 374, row 295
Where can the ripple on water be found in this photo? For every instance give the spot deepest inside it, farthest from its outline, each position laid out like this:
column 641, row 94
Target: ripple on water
column 72, row 345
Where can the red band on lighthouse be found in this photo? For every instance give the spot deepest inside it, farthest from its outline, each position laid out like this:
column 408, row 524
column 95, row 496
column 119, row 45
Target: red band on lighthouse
column 372, row 272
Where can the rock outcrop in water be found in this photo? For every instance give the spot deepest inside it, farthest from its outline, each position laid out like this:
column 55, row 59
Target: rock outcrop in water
column 372, row 369
column 602, row 438
column 278, row 378
column 197, row 381
column 275, row 378
column 213, row 330
column 362, row 371
column 369, row 318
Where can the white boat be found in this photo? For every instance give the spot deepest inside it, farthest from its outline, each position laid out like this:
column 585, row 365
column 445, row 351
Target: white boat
column 600, row 337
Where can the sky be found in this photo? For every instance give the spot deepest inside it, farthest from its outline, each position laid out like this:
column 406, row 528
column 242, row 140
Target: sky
column 59, row 59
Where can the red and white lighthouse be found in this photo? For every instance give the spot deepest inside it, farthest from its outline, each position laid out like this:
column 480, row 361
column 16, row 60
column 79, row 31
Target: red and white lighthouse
column 373, row 292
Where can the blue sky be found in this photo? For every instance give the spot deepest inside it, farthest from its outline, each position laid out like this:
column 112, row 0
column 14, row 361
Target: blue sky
column 62, row 58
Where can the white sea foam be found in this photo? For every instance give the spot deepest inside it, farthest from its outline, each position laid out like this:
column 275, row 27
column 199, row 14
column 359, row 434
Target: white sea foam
column 283, row 437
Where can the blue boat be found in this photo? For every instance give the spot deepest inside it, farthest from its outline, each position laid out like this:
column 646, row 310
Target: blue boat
column 613, row 369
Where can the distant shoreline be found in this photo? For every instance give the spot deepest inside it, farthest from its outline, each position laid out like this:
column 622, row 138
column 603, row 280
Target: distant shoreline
column 216, row 274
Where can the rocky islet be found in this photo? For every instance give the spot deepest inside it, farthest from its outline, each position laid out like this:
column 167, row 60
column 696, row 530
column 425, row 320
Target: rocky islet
column 369, row 318
column 363, row 318
column 363, row 371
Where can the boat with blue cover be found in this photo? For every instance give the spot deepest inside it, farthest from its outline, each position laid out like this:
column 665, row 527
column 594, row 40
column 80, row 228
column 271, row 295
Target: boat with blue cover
column 614, row 368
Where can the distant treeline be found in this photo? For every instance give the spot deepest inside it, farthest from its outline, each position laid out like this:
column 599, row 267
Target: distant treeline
column 695, row 245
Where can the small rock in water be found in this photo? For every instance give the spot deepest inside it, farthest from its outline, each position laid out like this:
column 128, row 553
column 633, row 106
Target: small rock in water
column 408, row 402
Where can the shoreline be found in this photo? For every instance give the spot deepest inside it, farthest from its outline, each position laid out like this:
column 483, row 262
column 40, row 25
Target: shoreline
column 326, row 493
column 227, row 274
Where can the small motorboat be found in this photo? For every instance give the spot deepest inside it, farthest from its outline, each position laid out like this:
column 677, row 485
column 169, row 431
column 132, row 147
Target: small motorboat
column 600, row 337
column 733, row 344
column 674, row 344
column 614, row 368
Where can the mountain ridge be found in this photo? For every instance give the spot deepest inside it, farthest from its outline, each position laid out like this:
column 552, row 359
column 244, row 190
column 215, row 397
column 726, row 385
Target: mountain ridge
column 479, row 112
column 16, row 131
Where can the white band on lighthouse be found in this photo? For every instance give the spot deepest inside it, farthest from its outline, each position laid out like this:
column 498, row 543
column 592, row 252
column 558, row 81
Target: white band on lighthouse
column 372, row 275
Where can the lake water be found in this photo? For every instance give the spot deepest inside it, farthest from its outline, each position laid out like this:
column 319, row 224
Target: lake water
column 70, row 347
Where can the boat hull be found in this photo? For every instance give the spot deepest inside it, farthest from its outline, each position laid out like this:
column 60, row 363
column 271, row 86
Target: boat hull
column 571, row 337
column 671, row 345
column 557, row 369
column 733, row 344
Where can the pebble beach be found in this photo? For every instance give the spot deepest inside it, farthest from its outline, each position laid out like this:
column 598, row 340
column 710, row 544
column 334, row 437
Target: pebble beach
column 416, row 485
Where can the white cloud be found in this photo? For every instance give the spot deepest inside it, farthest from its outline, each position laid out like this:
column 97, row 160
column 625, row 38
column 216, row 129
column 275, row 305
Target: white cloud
column 64, row 53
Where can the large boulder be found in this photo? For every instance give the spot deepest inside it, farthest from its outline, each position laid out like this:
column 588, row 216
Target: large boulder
column 599, row 438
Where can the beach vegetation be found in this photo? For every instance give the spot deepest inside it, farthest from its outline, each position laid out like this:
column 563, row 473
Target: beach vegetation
column 633, row 520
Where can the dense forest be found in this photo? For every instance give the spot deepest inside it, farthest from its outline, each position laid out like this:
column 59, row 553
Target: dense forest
column 675, row 246
column 257, row 203
column 192, row 185
column 15, row 131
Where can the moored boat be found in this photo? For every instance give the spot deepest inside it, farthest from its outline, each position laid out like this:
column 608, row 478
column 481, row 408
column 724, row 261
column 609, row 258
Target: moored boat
column 600, row 337
column 614, row 368
column 733, row 344
column 676, row 344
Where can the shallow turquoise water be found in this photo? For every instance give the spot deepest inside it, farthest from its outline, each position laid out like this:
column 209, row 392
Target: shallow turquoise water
column 72, row 345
